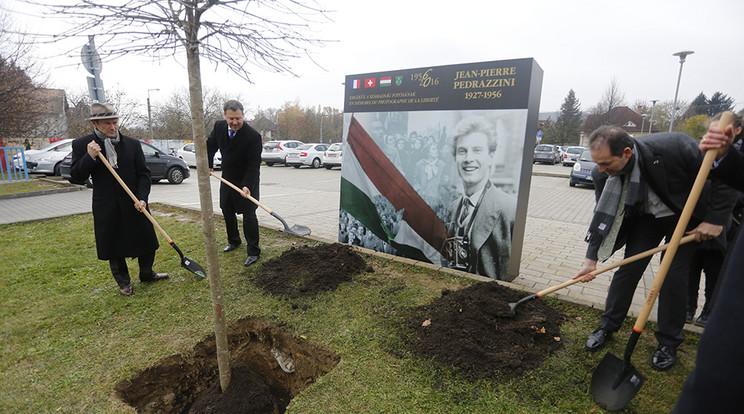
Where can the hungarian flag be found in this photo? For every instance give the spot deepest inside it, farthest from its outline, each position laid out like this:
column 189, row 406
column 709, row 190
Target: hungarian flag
column 386, row 81
column 369, row 83
column 369, row 175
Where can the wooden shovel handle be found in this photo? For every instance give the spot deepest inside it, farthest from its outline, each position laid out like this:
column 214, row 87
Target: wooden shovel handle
column 625, row 261
column 240, row 190
column 131, row 194
column 684, row 219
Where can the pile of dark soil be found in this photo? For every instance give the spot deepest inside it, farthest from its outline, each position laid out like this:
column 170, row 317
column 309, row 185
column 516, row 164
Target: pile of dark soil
column 307, row 271
column 473, row 329
column 258, row 384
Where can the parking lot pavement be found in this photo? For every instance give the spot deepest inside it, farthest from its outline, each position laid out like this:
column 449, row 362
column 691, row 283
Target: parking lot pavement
column 557, row 219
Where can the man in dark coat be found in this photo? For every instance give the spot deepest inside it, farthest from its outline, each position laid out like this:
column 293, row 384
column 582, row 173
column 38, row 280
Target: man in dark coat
column 120, row 227
column 715, row 385
column 642, row 186
column 240, row 146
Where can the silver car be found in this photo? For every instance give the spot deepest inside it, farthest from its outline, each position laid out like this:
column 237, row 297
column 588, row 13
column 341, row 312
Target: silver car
column 275, row 152
column 188, row 155
column 332, row 156
column 45, row 160
column 306, row 154
column 572, row 154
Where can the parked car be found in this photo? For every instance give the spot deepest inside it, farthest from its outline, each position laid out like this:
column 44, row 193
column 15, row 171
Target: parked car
column 332, row 156
column 582, row 170
column 276, row 151
column 572, row 154
column 45, row 160
column 188, row 155
column 546, row 153
column 161, row 165
column 306, row 154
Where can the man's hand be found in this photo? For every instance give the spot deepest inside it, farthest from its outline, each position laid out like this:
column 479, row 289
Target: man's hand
column 717, row 138
column 140, row 206
column 93, row 149
column 585, row 271
column 246, row 192
column 706, row 231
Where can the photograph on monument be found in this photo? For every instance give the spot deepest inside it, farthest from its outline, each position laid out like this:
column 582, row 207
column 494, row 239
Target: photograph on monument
column 438, row 186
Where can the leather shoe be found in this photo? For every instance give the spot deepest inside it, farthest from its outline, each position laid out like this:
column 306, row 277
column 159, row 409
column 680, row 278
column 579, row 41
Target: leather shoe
column 664, row 357
column 155, row 277
column 598, row 339
column 250, row 260
column 230, row 247
column 702, row 320
column 689, row 316
column 127, row 290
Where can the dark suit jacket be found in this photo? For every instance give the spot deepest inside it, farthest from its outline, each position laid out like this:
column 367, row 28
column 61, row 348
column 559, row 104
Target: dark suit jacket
column 669, row 165
column 121, row 230
column 241, row 162
column 491, row 232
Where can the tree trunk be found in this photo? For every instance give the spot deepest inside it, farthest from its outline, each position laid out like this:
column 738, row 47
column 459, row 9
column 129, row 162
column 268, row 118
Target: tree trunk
column 205, row 198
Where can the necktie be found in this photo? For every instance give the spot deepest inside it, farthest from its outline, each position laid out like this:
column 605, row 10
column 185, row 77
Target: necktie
column 466, row 207
column 232, row 134
column 608, row 243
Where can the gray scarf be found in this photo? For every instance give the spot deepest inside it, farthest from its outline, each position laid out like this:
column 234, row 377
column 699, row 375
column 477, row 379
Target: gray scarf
column 108, row 144
column 609, row 201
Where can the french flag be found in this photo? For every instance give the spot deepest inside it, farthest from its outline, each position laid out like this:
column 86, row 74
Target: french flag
column 356, row 84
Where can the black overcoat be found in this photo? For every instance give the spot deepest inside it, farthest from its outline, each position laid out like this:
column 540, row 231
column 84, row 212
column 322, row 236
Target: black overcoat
column 121, row 230
column 241, row 163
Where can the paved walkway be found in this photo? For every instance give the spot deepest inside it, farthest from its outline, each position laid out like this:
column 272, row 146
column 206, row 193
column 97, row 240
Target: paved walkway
column 553, row 246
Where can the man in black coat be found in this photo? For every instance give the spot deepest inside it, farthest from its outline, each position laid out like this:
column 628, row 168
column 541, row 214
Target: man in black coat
column 120, row 227
column 240, row 146
column 715, row 385
column 642, row 186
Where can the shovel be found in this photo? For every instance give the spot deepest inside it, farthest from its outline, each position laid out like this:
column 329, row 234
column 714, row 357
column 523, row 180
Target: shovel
column 616, row 381
column 295, row 229
column 513, row 306
column 187, row 263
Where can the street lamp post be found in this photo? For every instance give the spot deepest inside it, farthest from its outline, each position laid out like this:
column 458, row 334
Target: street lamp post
column 643, row 121
column 651, row 122
column 149, row 113
column 682, row 55
column 321, row 126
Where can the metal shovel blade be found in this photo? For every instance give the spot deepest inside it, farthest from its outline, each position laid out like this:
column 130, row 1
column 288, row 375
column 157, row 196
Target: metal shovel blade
column 296, row 229
column 189, row 264
column 614, row 384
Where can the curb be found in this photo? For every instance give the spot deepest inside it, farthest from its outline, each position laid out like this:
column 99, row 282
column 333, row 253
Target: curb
column 42, row 192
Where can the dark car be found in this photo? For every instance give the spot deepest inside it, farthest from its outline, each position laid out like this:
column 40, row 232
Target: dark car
column 582, row 170
column 161, row 165
column 547, row 153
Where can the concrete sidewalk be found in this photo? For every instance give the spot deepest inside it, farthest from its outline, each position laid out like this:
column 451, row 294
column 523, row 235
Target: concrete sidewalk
column 553, row 247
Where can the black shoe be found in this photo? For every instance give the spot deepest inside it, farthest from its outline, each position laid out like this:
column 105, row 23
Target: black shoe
column 155, row 277
column 250, row 260
column 690, row 316
column 664, row 357
column 702, row 319
column 127, row 290
column 230, row 247
column 598, row 339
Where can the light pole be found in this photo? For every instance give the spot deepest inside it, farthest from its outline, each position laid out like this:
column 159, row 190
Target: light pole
column 651, row 123
column 643, row 121
column 682, row 55
column 321, row 126
column 149, row 113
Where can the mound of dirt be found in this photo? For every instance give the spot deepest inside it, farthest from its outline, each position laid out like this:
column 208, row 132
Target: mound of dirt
column 258, row 383
column 309, row 270
column 473, row 329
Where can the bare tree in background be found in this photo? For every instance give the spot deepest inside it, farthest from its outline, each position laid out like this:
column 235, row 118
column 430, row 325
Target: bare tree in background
column 611, row 99
column 238, row 34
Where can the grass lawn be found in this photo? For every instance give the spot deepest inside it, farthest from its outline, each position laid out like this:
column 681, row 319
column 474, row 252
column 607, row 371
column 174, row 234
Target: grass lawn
column 67, row 336
column 33, row 184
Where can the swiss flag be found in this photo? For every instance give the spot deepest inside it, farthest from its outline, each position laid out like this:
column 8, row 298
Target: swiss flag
column 369, row 83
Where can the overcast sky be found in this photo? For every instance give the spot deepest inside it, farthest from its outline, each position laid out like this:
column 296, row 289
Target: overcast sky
column 579, row 44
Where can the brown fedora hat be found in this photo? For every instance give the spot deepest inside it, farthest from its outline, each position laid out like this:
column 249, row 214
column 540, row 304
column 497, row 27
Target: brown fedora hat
column 102, row 111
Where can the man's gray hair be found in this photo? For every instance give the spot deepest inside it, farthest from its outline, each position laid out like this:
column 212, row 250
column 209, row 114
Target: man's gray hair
column 232, row 105
column 470, row 125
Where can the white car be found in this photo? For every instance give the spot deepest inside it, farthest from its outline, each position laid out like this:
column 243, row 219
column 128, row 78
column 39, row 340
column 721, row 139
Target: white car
column 45, row 160
column 275, row 152
column 332, row 156
column 188, row 155
column 306, row 154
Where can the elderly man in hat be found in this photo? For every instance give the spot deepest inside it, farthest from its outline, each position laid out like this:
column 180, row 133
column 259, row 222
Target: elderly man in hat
column 120, row 227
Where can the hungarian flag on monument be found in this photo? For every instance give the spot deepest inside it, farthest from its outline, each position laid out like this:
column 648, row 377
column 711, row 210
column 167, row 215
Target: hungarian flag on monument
column 413, row 229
